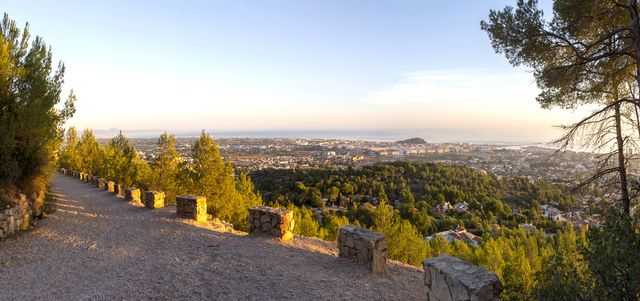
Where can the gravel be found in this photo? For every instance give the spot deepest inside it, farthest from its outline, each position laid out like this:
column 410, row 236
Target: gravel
column 99, row 247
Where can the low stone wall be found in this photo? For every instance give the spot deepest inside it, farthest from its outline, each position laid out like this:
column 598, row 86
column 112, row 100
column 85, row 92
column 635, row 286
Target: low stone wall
column 277, row 222
column 365, row 246
column 132, row 195
column 451, row 279
column 14, row 219
column 154, row 199
column 191, row 207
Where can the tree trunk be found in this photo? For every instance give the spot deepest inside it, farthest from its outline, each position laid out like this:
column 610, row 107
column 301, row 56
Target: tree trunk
column 622, row 167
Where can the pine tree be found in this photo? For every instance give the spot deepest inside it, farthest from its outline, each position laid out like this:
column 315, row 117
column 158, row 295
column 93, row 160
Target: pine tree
column 123, row 164
column 165, row 167
column 89, row 153
column 31, row 114
column 208, row 175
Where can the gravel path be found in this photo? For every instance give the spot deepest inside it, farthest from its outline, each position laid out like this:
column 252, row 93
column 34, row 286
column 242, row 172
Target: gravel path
column 98, row 247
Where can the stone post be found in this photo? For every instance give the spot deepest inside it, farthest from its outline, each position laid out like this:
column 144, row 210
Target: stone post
column 132, row 195
column 119, row 190
column 276, row 222
column 111, row 186
column 191, row 207
column 451, row 279
column 154, row 199
column 365, row 246
column 101, row 184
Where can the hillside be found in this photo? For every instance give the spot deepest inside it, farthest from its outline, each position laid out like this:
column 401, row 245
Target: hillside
column 417, row 189
column 416, row 140
column 96, row 246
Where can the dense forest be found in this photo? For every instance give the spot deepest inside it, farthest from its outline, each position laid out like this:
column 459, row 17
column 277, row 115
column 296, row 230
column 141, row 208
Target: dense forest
column 417, row 190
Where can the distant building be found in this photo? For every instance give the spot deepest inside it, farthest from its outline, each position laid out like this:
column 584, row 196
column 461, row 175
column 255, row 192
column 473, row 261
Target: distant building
column 458, row 234
column 528, row 227
column 442, row 208
column 461, row 207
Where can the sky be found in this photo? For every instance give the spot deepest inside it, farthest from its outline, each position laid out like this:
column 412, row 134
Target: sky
column 290, row 65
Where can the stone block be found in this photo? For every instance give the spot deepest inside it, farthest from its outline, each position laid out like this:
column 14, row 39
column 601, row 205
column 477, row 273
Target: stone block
column 154, row 199
column 101, row 184
column 451, row 279
column 277, row 222
column 111, row 186
column 191, row 207
column 365, row 246
column 132, row 195
column 119, row 190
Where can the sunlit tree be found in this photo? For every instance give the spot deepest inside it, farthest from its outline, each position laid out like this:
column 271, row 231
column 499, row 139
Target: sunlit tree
column 31, row 117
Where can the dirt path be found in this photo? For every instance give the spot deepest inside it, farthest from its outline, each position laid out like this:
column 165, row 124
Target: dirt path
column 98, row 247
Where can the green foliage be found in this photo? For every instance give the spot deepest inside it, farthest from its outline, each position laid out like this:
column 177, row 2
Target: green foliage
column 89, row 153
column 565, row 274
column 612, row 255
column 205, row 174
column 123, row 164
column 331, row 224
column 31, row 117
column 415, row 189
column 70, row 156
column 246, row 197
column 166, row 167
column 208, row 175
column 305, row 223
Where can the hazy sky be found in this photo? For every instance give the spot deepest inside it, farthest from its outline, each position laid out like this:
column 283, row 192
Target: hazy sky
column 265, row 65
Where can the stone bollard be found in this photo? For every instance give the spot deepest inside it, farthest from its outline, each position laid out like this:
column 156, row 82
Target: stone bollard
column 277, row 222
column 451, row 279
column 101, row 184
column 111, row 186
column 191, row 207
column 119, row 190
column 154, row 199
column 132, row 195
column 366, row 246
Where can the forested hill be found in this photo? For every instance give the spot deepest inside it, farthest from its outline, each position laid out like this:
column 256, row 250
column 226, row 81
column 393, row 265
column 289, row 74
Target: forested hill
column 415, row 188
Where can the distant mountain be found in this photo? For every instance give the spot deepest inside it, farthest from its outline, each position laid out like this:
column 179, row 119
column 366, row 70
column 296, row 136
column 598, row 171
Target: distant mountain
column 412, row 141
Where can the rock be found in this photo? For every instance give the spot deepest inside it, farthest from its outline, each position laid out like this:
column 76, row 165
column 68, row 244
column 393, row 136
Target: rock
column 451, row 279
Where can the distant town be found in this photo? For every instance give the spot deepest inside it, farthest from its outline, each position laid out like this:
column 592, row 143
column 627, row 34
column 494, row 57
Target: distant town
column 249, row 154
column 535, row 162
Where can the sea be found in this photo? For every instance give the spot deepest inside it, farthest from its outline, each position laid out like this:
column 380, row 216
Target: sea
column 430, row 135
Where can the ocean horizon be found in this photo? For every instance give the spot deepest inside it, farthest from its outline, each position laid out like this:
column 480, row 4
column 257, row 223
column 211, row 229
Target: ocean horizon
column 430, row 135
